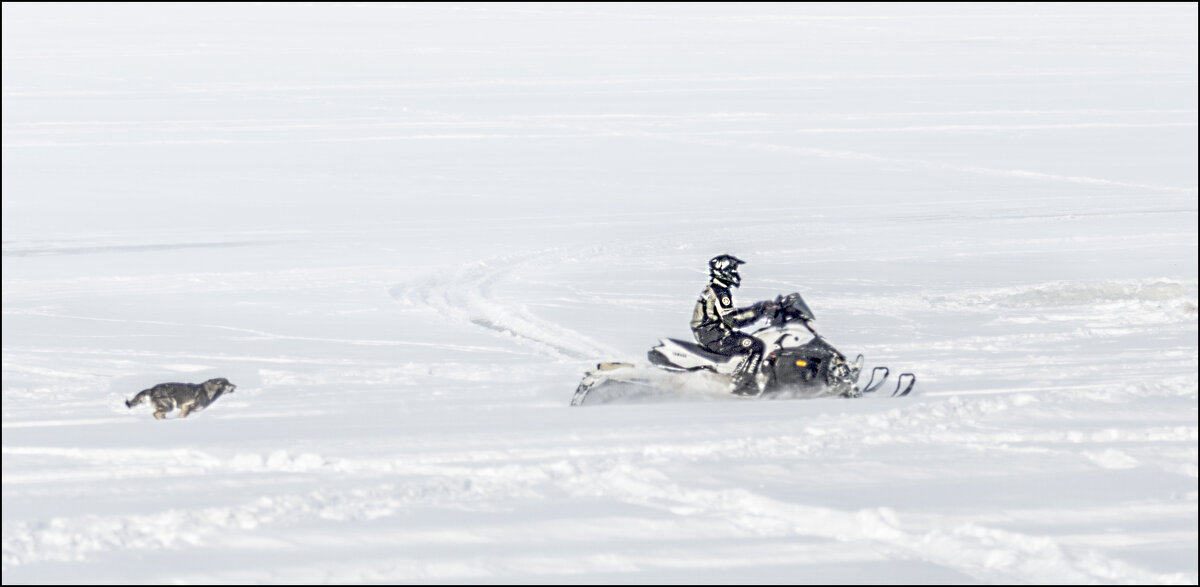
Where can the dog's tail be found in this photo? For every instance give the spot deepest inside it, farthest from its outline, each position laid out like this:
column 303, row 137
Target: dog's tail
column 137, row 399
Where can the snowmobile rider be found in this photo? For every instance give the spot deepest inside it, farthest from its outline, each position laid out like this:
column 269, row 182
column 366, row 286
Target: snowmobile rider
column 715, row 322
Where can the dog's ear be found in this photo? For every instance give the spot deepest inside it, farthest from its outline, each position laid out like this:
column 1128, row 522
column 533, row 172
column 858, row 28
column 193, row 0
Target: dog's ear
column 212, row 387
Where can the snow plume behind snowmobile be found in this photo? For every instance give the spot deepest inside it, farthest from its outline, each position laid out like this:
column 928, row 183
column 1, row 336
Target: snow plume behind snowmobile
column 799, row 364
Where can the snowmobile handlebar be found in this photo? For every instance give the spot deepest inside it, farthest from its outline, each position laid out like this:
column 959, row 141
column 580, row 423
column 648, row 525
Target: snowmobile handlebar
column 791, row 308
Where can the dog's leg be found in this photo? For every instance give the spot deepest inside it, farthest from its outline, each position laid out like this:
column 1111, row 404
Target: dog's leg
column 162, row 405
column 185, row 409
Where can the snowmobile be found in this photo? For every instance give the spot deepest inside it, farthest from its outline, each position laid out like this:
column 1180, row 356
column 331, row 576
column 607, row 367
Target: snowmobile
column 798, row 363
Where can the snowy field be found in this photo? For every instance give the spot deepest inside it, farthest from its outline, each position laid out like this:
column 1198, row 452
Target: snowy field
column 406, row 231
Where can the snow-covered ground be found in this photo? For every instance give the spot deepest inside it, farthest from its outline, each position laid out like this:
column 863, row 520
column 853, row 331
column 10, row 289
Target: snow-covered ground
column 405, row 232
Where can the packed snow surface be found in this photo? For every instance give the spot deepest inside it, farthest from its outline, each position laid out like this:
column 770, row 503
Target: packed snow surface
column 405, row 232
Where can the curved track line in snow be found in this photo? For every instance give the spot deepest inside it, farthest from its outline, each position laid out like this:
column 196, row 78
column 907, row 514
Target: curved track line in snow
column 445, row 119
column 265, row 335
column 985, row 553
column 467, row 296
column 908, row 162
column 952, row 542
column 480, row 135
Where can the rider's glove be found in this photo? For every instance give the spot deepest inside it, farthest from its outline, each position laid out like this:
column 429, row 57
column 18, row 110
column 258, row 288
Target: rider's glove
column 765, row 307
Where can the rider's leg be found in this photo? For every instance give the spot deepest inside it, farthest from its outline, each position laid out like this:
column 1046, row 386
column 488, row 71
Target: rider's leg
column 745, row 381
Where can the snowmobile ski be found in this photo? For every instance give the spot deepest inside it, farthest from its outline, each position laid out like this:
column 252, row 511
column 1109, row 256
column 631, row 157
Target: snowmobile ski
column 872, row 385
column 901, row 389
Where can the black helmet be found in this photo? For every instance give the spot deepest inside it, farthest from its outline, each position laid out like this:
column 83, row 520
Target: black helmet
column 724, row 268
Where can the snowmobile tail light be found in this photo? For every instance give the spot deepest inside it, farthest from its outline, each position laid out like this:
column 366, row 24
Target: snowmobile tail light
column 801, row 363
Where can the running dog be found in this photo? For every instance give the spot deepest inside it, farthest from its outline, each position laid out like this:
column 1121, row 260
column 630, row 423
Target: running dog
column 188, row 397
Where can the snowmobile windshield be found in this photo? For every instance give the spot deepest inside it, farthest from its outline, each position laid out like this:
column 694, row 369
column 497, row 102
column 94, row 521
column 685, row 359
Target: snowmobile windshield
column 795, row 309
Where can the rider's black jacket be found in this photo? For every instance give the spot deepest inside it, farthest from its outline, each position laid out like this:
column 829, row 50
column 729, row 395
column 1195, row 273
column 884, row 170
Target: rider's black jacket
column 715, row 316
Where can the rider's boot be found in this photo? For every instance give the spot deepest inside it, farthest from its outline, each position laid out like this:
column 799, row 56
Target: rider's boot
column 745, row 378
